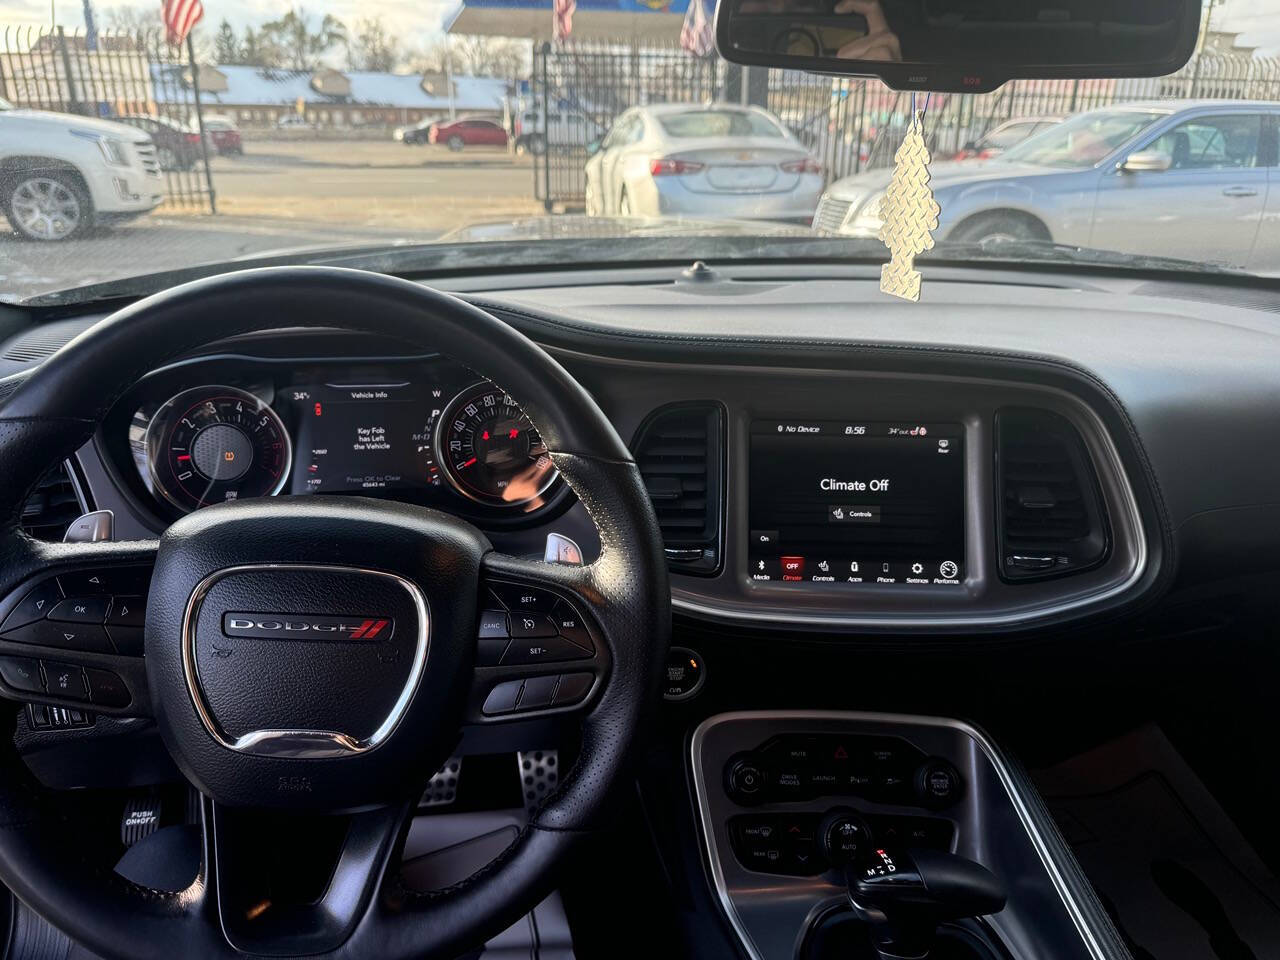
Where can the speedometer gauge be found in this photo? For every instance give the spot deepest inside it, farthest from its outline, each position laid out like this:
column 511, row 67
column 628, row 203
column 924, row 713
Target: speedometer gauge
column 210, row 444
column 490, row 451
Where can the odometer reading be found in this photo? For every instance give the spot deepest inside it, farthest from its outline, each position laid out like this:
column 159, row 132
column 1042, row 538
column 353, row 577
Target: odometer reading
column 490, row 451
column 211, row 444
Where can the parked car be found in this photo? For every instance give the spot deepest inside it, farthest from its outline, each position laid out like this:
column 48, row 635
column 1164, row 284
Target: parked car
column 224, row 135
column 561, row 128
column 467, row 132
column 293, row 121
column 61, row 174
column 177, row 146
column 1168, row 179
column 702, row 160
column 1008, row 134
column 416, row 133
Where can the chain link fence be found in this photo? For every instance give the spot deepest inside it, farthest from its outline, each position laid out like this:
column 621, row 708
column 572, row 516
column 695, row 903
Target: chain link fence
column 136, row 78
column 848, row 125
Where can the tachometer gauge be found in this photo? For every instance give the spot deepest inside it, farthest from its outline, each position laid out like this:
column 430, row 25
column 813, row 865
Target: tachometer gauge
column 489, row 450
column 210, row 444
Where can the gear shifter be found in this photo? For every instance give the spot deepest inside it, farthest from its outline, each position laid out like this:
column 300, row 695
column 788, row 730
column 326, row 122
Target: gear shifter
column 903, row 896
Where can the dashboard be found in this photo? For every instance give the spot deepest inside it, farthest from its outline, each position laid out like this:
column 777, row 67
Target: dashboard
column 1009, row 456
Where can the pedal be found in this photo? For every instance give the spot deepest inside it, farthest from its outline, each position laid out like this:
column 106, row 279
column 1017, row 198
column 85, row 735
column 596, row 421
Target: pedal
column 539, row 775
column 141, row 818
column 442, row 788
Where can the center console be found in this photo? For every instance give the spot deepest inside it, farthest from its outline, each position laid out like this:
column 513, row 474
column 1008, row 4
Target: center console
column 908, row 834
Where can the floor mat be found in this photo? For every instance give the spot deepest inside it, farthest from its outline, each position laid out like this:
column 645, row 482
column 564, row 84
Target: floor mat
column 1179, row 879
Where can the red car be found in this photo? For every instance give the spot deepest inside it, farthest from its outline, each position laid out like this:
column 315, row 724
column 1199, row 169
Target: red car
column 224, row 135
column 457, row 134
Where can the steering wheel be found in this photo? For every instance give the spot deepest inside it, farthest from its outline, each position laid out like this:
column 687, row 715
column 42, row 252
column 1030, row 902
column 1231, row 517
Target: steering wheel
column 322, row 722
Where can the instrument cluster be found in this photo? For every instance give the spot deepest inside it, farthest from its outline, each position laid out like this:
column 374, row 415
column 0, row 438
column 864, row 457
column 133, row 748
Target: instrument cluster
column 425, row 431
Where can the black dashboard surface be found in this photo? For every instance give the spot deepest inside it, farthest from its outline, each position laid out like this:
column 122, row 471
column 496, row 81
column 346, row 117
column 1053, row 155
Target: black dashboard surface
column 1182, row 375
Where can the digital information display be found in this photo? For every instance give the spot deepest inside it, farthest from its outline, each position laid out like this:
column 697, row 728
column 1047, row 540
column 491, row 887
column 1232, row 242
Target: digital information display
column 357, row 437
column 845, row 502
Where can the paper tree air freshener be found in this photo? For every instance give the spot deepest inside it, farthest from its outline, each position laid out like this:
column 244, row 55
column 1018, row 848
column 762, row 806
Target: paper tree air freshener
column 908, row 213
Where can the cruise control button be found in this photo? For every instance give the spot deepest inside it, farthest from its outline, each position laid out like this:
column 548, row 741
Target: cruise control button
column 573, row 688
column 538, row 692
column 65, row 680
column 542, row 650
column 66, row 636
column 570, row 626
column 106, row 688
column 493, row 623
column 34, row 606
column 489, row 650
column 22, row 673
column 526, row 625
column 127, row 612
column 502, row 698
column 81, row 609
column 520, row 599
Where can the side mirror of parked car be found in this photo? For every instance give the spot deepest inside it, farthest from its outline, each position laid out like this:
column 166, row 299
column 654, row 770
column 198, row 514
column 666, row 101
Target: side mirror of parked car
column 593, row 147
column 1146, row 161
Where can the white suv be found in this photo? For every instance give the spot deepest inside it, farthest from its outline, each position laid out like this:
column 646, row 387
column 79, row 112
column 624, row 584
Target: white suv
column 61, row 174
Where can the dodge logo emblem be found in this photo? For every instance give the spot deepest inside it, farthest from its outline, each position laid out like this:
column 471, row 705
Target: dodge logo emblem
column 278, row 626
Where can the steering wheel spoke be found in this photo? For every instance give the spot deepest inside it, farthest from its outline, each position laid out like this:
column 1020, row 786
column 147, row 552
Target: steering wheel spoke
column 71, row 625
column 539, row 649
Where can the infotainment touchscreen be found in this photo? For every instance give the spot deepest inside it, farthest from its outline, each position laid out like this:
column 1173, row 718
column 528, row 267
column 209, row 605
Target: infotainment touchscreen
column 856, row 502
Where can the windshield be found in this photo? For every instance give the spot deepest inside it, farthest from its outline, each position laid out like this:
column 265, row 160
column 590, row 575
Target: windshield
column 1083, row 140
column 488, row 134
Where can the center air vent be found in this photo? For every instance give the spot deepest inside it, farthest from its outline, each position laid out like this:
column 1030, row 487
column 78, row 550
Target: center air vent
column 680, row 450
column 1050, row 515
column 52, row 506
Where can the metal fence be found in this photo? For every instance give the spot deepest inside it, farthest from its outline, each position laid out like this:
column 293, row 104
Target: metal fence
column 848, row 125
column 111, row 76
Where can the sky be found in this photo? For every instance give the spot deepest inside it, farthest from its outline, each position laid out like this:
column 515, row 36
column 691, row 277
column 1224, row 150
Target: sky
column 419, row 22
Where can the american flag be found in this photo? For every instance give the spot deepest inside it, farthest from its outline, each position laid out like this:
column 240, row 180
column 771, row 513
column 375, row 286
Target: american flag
column 179, row 17
column 696, row 34
column 562, row 18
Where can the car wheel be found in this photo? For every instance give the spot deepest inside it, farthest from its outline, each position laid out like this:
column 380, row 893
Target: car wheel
column 168, row 158
column 51, row 205
column 1000, row 227
column 537, row 144
column 456, row 143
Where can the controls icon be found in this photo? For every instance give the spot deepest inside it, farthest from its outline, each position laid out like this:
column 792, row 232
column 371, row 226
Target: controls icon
column 824, row 566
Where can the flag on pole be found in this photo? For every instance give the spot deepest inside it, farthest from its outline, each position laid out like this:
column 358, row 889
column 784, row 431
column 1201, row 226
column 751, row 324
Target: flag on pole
column 179, row 17
column 696, row 35
column 562, row 18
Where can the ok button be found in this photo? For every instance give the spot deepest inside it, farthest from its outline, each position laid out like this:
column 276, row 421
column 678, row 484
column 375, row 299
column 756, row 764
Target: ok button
column 81, row 610
column 525, row 626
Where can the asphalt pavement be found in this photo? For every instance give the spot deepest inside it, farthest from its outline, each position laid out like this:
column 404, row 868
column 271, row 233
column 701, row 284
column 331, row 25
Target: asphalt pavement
column 285, row 197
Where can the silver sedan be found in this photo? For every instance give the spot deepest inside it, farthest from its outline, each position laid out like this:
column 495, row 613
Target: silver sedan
column 1187, row 180
column 715, row 160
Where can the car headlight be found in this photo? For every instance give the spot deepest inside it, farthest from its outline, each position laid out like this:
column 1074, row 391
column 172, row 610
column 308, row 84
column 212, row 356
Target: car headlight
column 868, row 215
column 113, row 150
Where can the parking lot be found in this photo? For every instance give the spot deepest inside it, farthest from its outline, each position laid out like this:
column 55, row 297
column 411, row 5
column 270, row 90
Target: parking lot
column 290, row 195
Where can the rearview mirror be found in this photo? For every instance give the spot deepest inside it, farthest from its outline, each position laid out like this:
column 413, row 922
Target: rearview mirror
column 1147, row 161
column 960, row 46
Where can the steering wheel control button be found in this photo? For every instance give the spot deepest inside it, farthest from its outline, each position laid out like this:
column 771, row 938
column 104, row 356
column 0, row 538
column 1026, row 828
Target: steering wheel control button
column 502, row 698
column 489, row 650
column 573, row 688
column 542, row 650
column 34, row 606
column 106, row 688
column 685, row 674
column 65, row 680
column 121, row 580
column 538, row 692
column 493, row 623
column 65, row 636
column 521, row 599
column 570, row 626
column 22, row 673
column 81, row 609
column 127, row 612
column 526, row 626
column 127, row 640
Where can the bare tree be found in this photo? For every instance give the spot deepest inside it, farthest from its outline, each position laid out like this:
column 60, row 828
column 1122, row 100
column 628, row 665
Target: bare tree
column 475, row 55
column 301, row 46
column 373, row 47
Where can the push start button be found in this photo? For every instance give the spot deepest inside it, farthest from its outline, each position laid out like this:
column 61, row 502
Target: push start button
column 684, row 675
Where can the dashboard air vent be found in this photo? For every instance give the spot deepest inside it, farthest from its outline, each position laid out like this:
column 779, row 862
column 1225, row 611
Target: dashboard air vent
column 680, row 450
column 1050, row 515
column 52, row 506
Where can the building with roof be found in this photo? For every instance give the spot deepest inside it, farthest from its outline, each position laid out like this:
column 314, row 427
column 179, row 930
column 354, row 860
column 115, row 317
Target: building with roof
column 262, row 96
